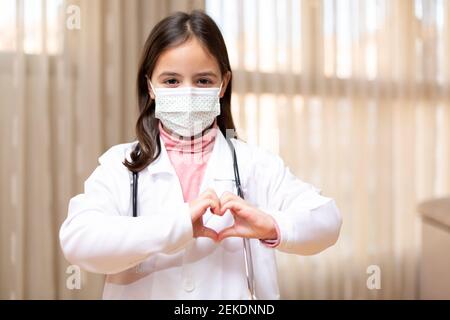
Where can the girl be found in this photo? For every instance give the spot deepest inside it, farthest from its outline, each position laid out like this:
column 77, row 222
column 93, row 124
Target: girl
column 193, row 237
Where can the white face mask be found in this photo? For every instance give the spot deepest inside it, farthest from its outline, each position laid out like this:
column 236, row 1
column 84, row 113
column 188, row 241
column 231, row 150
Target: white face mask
column 187, row 111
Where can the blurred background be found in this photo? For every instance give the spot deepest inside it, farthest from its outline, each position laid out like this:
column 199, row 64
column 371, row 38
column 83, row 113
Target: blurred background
column 353, row 94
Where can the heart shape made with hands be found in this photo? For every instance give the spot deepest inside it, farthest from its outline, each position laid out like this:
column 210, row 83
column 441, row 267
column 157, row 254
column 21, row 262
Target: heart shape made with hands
column 229, row 216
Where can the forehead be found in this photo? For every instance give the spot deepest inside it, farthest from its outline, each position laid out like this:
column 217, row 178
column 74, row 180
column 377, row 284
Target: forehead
column 189, row 57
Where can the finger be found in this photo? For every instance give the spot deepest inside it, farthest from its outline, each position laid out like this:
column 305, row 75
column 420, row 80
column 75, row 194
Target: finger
column 211, row 194
column 203, row 204
column 235, row 207
column 216, row 209
column 209, row 233
column 228, row 196
column 226, row 233
column 210, row 203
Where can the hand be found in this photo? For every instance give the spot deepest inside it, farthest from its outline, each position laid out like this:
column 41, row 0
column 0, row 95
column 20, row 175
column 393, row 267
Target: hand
column 198, row 207
column 249, row 222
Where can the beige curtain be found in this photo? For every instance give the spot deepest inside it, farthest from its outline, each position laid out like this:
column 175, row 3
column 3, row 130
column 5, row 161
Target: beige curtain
column 67, row 93
column 354, row 95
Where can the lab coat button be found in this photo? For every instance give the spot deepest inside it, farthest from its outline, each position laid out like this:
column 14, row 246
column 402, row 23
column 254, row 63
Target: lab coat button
column 189, row 285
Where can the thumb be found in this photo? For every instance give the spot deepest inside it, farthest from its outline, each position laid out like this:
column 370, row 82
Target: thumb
column 209, row 233
column 226, row 233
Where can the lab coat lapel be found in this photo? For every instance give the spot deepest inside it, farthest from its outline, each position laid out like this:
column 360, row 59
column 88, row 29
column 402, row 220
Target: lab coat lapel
column 162, row 163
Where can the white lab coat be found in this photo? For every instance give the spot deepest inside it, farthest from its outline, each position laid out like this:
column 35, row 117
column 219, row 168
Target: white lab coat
column 155, row 256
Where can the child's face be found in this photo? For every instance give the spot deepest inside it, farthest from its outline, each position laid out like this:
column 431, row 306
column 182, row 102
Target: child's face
column 188, row 65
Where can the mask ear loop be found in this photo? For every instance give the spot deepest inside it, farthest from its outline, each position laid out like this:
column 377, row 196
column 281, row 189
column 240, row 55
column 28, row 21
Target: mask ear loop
column 149, row 82
column 220, row 89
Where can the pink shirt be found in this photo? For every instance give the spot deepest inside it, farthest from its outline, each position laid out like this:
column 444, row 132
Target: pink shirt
column 189, row 159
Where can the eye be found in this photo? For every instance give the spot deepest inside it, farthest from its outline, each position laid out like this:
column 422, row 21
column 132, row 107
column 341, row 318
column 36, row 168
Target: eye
column 171, row 82
column 204, row 82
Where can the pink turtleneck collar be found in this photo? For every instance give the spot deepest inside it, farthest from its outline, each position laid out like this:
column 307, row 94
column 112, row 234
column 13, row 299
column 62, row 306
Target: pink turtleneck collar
column 203, row 143
column 189, row 158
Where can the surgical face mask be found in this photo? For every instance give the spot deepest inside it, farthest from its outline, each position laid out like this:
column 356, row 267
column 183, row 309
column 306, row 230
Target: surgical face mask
column 187, row 111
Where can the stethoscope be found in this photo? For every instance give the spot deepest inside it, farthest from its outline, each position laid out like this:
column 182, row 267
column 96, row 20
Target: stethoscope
column 247, row 248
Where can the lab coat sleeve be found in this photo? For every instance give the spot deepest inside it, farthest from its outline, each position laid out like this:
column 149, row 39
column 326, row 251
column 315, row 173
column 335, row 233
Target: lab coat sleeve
column 308, row 222
column 98, row 239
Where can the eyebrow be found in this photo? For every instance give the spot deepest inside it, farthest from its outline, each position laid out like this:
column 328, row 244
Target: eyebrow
column 174, row 74
column 168, row 73
column 206, row 73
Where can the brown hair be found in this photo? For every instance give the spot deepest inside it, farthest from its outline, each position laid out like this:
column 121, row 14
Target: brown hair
column 170, row 32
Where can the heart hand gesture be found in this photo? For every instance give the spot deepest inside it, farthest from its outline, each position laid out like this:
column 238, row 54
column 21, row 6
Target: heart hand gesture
column 249, row 222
